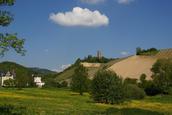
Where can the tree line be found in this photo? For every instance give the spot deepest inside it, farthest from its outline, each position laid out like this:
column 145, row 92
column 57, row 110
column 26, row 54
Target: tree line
column 150, row 51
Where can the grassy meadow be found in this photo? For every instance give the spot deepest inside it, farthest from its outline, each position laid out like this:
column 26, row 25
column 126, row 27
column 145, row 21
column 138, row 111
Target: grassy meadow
column 33, row 101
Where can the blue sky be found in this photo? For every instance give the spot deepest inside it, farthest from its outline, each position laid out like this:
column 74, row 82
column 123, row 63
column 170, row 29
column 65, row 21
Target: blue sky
column 117, row 29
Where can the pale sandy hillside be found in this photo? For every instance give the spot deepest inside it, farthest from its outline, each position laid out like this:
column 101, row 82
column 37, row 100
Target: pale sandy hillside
column 134, row 66
column 165, row 53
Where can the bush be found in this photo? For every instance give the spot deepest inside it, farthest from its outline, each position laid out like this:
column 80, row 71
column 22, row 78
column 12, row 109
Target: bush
column 133, row 92
column 149, row 86
column 151, row 89
column 107, row 87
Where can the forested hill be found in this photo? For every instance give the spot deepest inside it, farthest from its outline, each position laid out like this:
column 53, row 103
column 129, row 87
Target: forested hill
column 42, row 71
column 12, row 66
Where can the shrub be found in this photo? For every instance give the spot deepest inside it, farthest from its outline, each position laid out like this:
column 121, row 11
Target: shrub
column 107, row 87
column 133, row 92
column 151, row 89
column 149, row 86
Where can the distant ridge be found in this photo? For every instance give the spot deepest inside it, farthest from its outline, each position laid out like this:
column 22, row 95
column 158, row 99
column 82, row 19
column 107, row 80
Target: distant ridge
column 42, row 71
column 9, row 66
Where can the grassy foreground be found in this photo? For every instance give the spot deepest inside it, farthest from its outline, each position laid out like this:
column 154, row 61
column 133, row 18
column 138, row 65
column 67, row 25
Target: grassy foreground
column 33, row 101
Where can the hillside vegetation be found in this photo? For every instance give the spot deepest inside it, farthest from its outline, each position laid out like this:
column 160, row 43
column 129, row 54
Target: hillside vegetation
column 11, row 66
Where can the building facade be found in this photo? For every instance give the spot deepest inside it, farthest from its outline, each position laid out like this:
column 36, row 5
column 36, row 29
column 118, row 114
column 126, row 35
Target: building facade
column 38, row 82
column 6, row 76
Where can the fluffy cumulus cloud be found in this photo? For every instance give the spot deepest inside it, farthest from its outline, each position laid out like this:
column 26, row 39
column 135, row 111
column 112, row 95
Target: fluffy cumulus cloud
column 125, row 1
column 80, row 17
column 92, row 1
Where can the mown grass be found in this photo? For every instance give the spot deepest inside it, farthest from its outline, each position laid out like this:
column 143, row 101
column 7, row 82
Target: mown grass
column 63, row 101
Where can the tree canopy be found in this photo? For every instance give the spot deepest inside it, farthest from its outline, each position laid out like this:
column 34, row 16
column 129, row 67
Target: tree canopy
column 107, row 87
column 80, row 81
column 162, row 74
column 150, row 51
column 9, row 41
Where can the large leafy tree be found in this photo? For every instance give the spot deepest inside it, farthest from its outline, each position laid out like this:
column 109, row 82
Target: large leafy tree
column 80, row 81
column 162, row 76
column 9, row 41
column 107, row 87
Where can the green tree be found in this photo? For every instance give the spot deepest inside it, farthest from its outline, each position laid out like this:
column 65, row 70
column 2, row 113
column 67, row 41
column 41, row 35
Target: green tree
column 9, row 41
column 79, row 81
column 162, row 74
column 143, row 81
column 107, row 87
column 138, row 50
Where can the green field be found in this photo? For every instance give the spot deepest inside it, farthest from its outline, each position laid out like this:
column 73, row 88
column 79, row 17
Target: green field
column 33, row 101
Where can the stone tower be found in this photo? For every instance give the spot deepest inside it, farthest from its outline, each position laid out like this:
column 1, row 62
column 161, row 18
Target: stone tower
column 99, row 54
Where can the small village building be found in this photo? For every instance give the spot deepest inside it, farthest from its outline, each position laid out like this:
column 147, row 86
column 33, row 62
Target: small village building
column 38, row 82
column 6, row 76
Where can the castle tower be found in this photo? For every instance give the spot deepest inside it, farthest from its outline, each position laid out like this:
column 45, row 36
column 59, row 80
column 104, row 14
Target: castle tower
column 99, row 54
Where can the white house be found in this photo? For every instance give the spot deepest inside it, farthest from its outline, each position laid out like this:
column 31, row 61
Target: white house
column 38, row 82
column 6, row 76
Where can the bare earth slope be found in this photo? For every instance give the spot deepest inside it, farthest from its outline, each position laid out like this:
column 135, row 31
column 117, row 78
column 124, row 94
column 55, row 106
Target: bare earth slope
column 134, row 66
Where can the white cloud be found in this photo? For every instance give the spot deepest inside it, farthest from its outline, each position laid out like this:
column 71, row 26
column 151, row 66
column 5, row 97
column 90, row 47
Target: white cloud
column 92, row 1
column 125, row 1
column 80, row 17
column 124, row 53
column 63, row 67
